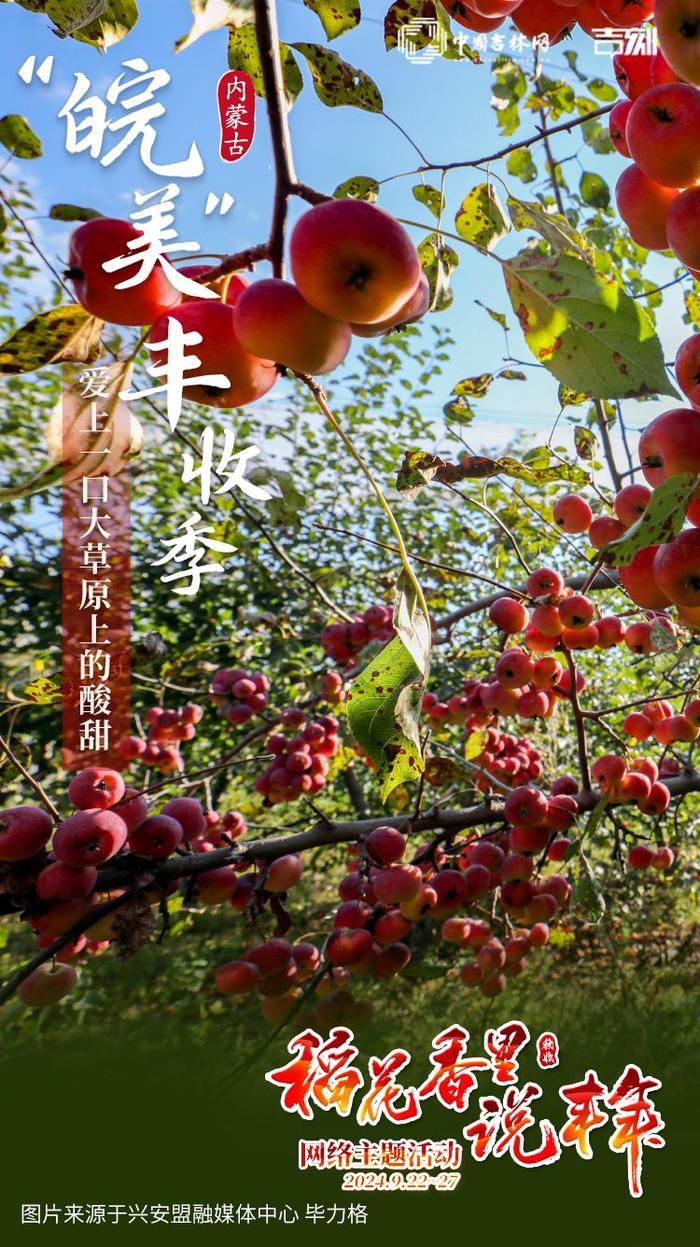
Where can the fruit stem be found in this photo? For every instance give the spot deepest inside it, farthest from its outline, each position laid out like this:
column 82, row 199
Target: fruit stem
column 579, row 721
column 30, row 779
column 320, row 397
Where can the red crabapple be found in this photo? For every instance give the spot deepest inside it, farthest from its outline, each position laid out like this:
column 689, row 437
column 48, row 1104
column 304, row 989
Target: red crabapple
column 394, row 884
column 509, row 615
column 525, row 806
column 96, row 788
column 391, row 927
column 345, row 948
column 216, row 886
column 391, row 960
column 47, row 984
column 572, row 514
column 89, row 837
column 663, row 858
column 640, row 857
column 156, row 837
column 271, row 956
column 237, row 978
column 544, row 583
column 58, row 882
column 471, row 974
column 385, row 845
column 188, row 813
column 284, row 873
column 24, row 830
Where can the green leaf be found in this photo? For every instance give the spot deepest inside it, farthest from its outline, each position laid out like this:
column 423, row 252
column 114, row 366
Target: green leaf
column 498, row 317
column 597, row 137
column 474, row 387
column 418, row 469
column 587, row 897
column 584, row 328
column 53, row 337
column 572, row 58
column 70, row 212
column 431, row 198
column 336, row 16
column 70, row 16
column 521, row 165
column 594, row 190
column 114, row 22
column 286, row 509
column 438, row 262
column 412, row 626
column 336, row 82
column 18, row 137
column 558, row 97
column 208, row 15
column 605, row 92
column 243, row 54
column 662, row 639
column 551, row 226
column 662, row 520
column 458, row 411
column 358, row 188
column 388, row 686
column 481, row 220
column 542, row 475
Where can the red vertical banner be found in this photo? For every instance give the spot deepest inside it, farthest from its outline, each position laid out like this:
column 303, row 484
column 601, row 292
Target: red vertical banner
column 99, row 436
column 236, row 100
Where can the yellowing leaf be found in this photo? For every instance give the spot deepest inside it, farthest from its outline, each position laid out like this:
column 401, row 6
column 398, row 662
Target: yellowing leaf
column 584, row 328
column 336, row 16
column 18, row 137
column 662, row 520
column 43, row 692
column 243, row 54
column 475, row 744
column 62, row 334
column 336, row 82
column 481, row 220
column 358, row 188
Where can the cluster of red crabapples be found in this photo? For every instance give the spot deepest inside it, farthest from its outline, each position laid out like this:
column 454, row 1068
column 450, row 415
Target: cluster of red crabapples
column 656, row 718
column 239, row 694
column 344, row 641
column 167, row 730
column 301, row 761
column 489, row 883
column 559, row 616
column 657, row 127
column 355, row 271
column 504, row 758
column 53, row 873
column 278, row 971
column 667, row 575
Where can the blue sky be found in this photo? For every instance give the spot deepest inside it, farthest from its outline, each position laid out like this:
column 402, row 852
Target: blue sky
column 444, row 106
